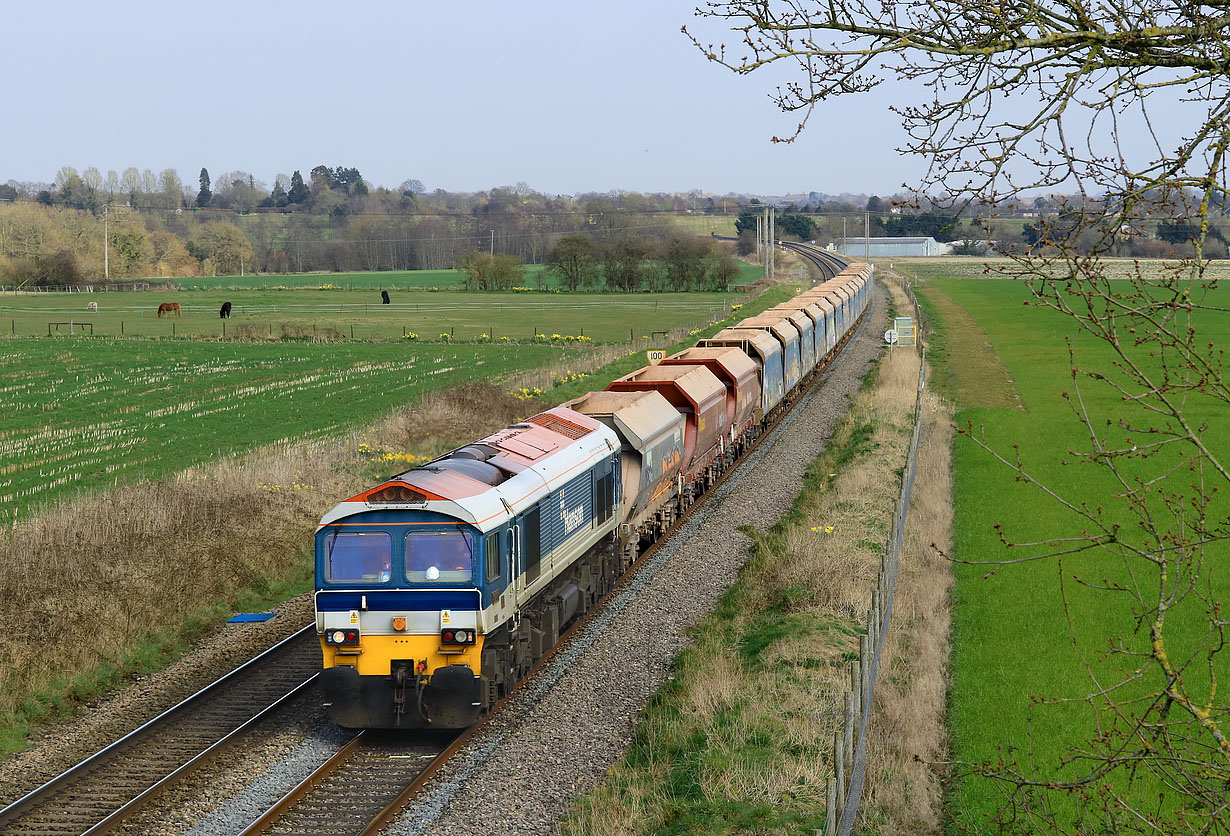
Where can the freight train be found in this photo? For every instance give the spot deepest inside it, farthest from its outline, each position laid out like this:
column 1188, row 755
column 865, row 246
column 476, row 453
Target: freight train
column 438, row 589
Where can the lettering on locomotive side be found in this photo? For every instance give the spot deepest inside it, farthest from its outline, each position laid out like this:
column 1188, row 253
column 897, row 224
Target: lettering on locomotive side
column 572, row 519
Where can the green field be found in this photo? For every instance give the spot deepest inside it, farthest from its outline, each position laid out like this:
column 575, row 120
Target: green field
column 391, row 280
column 357, row 314
column 1011, row 633
column 85, row 413
column 972, row 267
column 80, row 411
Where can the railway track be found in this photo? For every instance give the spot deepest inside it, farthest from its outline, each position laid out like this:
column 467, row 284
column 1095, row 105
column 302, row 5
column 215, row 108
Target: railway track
column 99, row 793
column 359, row 789
column 828, row 263
column 372, row 777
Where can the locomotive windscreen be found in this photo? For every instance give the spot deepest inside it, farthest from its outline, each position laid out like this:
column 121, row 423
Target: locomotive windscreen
column 358, row 557
column 439, row 556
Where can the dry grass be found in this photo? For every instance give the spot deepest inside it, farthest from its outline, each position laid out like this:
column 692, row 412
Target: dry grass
column 83, row 583
column 908, row 729
column 449, row 419
column 982, row 379
column 86, row 589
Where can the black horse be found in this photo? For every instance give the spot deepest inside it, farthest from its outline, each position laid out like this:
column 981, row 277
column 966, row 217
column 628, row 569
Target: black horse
column 384, row 297
column 225, row 313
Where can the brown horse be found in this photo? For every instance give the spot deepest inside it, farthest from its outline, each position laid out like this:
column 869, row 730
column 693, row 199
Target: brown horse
column 168, row 308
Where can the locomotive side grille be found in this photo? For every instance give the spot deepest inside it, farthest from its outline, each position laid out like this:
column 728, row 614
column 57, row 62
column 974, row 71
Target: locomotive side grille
column 564, row 427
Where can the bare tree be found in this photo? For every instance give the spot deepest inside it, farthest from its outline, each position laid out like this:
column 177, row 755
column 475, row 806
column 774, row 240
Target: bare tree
column 1125, row 105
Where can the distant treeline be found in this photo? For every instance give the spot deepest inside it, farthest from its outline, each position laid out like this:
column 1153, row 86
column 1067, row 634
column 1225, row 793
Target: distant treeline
column 146, row 226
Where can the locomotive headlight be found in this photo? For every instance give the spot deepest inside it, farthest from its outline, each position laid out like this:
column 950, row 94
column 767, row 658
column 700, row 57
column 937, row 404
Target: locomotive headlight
column 462, row 636
column 342, row 637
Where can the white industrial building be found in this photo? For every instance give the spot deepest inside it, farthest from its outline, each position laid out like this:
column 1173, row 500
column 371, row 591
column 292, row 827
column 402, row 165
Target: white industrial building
column 888, row 247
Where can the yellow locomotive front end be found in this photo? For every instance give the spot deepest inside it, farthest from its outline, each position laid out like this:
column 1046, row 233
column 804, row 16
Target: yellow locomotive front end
column 399, row 618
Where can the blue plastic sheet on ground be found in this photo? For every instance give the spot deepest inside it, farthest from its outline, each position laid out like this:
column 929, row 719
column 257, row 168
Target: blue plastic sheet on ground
column 245, row 617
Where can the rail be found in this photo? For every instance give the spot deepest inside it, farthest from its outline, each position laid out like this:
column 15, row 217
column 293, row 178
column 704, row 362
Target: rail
column 829, row 264
column 167, row 747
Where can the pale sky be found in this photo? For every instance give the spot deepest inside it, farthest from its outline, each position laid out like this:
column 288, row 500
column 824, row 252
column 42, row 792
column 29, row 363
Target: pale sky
column 565, row 96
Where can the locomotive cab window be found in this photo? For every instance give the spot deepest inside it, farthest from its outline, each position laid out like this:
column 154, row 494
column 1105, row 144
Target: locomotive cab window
column 358, row 557
column 492, row 556
column 444, row 556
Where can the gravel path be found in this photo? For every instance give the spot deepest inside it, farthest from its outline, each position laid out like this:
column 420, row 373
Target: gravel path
column 555, row 741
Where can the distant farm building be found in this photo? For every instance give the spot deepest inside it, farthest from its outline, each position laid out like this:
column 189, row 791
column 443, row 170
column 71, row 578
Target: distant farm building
column 887, row 247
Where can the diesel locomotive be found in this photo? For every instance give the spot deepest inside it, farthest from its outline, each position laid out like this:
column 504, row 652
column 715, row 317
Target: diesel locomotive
column 438, row 589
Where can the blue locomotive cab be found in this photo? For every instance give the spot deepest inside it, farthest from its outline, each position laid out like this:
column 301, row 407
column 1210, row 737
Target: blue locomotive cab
column 438, row 589
column 399, row 609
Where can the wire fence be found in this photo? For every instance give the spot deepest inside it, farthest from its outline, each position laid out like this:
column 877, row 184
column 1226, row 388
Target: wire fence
column 845, row 789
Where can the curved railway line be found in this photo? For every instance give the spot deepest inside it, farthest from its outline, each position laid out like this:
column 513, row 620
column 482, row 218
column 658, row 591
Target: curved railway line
column 361, row 787
column 829, row 263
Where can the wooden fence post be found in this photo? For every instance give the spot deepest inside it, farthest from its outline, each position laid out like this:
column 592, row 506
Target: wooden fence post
column 839, row 772
column 848, row 736
column 856, row 684
column 830, row 811
column 864, row 655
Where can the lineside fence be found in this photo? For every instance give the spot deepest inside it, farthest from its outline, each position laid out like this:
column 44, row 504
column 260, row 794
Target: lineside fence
column 845, row 788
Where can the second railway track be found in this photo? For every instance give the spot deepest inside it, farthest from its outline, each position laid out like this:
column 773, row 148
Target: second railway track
column 102, row 791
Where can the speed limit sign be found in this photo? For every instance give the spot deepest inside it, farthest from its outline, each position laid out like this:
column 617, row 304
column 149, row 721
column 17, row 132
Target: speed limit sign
column 655, row 357
column 890, row 336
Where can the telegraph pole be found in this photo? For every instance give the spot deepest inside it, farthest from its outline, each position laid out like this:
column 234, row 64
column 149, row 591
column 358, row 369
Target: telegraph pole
column 772, row 242
column 106, row 245
column 867, row 234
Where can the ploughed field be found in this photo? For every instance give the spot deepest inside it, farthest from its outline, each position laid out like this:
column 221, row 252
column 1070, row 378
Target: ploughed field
column 1006, row 366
